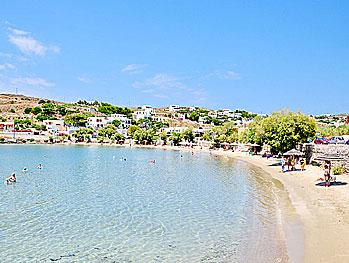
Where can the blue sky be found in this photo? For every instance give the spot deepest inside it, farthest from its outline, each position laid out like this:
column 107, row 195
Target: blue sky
column 255, row 55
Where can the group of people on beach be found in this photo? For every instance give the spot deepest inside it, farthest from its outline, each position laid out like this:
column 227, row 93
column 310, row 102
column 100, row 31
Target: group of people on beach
column 12, row 179
column 292, row 163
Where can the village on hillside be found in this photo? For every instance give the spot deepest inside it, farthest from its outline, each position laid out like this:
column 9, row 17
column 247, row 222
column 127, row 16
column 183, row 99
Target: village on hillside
column 35, row 120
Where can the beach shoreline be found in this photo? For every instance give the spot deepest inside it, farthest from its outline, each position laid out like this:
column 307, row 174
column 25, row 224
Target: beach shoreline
column 320, row 230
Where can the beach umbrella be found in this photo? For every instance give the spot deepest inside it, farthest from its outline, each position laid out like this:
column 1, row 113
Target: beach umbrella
column 254, row 144
column 293, row 152
column 234, row 144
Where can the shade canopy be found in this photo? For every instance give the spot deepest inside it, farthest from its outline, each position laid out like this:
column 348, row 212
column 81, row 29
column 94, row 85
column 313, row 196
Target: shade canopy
column 234, row 144
column 254, row 144
column 293, row 152
column 330, row 157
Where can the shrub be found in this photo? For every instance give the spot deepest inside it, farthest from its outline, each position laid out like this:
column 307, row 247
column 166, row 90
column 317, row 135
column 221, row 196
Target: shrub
column 338, row 169
column 31, row 139
column 24, row 140
column 2, row 139
column 27, row 110
column 12, row 111
column 41, row 101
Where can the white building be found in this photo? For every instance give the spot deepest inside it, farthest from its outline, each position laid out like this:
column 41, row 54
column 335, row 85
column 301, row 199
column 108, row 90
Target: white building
column 192, row 109
column 148, row 109
column 212, row 114
column 174, row 108
column 55, row 126
column 101, row 122
column 140, row 114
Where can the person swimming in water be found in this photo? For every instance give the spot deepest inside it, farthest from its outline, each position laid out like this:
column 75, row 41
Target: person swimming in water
column 40, row 166
column 11, row 179
column 25, row 169
column 152, row 161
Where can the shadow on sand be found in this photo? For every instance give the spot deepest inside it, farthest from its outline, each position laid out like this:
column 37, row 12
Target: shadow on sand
column 337, row 183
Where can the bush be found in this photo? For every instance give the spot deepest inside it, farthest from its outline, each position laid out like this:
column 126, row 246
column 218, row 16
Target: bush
column 24, row 140
column 338, row 169
column 12, row 111
column 41, row 101
column 31, row 139
column 2, row 139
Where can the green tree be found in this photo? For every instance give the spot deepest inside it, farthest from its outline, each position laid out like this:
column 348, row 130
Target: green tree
column 116, row 123
column 28, row 110
column 282, row 130
column 194, row 116
column 75, row 119
column 118, row 137
column 36, row 110
column 133, row 129
column 188, row 135
column 176, row 138
column 107, row 131
column 163, row 137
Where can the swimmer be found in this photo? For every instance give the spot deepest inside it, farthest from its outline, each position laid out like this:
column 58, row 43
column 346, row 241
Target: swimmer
column 44, row 155
column 40, row 166
column 113, row 157
column 152, row 161
column 99, row 157
column 12, row 179
column 25, row 169
column 181, row 156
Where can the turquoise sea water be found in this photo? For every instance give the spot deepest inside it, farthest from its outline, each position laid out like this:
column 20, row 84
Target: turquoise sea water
column 86, row 206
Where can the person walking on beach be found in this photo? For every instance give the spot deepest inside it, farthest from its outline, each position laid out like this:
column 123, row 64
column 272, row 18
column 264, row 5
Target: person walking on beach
column 303, row 162
column 283, row 164
column 289, row 163
column 327, row 175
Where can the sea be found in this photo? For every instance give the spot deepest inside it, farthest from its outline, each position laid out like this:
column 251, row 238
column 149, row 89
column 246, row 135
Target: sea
column 112, row 204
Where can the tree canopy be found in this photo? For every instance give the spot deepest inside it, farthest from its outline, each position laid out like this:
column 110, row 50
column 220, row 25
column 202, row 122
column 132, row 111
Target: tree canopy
column 282, row 130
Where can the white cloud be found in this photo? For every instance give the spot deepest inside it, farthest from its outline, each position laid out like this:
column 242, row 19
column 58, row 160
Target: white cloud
column 165, row 86
column 161, row 96
column 5, row 55
column 148, row 91
column 85, row 80
column 7, row 65
column 18, row 32
column 10, row 66
column 55, row 49
column 232, row 75
column 32, row 82
column 28, row 45
column 162, row 81
column 134, row 68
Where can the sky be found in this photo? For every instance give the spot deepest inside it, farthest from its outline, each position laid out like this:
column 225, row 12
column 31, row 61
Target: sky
column 259, row 56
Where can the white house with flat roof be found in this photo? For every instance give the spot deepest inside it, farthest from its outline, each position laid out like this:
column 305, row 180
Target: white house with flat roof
column 101, row 122
column 148, row 109
column 174, row 108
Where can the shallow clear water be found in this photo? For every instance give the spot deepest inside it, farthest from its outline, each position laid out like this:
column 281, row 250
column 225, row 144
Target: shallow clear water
column 85, row 206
